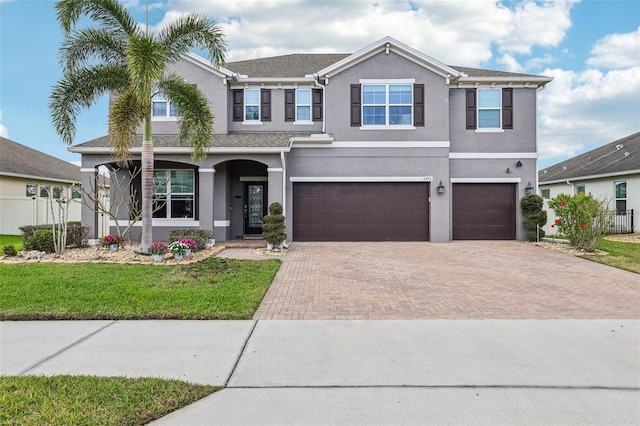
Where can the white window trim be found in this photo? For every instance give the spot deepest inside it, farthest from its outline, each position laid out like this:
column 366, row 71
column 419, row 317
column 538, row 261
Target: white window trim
column 387, row 105
column 498, row 129
column 169, row 195
column 245, row 105
column 168, row 117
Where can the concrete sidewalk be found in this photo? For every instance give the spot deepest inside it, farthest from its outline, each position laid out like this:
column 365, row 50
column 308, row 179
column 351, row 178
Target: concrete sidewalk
column 357, row 372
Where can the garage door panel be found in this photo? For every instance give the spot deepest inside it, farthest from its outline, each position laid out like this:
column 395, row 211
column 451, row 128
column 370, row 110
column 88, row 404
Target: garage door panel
column 360, row 211
column 484, row 211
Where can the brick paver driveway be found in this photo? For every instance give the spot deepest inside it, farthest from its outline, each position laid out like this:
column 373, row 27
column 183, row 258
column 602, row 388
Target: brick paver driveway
column 461, row 279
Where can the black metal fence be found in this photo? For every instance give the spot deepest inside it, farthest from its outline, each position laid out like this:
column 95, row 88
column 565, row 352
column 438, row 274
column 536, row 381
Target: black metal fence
column 620, row 222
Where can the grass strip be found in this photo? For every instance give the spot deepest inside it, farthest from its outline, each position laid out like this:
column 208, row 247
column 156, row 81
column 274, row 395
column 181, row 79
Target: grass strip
column 215, row 288
column 621, row 255
column 90, row 400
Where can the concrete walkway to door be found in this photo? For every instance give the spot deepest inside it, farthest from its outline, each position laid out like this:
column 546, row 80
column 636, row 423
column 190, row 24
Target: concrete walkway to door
column 461, row 279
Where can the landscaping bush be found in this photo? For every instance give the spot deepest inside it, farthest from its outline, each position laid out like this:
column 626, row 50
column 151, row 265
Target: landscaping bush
column 534, row 217
column 10, row 250
column 581, row 218
column 273, row 227
column 200, row 236
column 41, row 240
column 77, row 234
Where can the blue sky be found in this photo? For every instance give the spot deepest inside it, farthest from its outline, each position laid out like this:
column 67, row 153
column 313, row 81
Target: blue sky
column 590, row 47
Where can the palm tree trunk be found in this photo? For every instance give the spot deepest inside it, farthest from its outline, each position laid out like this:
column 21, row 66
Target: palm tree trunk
column 147, row 185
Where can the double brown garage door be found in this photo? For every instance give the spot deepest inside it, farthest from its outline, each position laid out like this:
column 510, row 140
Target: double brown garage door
column 360, row 211
column 484, row 211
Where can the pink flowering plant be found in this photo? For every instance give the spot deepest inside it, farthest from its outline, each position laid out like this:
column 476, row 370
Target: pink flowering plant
column 581, row 218
column 159, row 247
column 110, row 240
column 189, row 242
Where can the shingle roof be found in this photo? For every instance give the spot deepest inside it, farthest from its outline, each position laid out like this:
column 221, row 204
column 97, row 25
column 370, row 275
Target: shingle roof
column 619, row 156
column 22, row 160
column 231, row 140
column 299, row 65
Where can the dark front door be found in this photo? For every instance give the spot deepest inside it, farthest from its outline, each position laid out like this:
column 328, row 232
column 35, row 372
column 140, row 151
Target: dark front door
column 255, row 207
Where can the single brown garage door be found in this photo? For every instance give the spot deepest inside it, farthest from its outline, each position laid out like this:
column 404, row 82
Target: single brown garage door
column 484, row 211
column 362, row 211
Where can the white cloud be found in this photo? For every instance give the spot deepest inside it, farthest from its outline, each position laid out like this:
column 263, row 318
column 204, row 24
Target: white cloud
column 616, row 51
column 509, row 63
column 3, row 130
column 586, row 109
column 454, row 32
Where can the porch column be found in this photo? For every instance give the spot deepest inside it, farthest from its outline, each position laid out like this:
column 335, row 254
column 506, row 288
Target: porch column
column 88, row 213
column 207, row 179
column 275, row 176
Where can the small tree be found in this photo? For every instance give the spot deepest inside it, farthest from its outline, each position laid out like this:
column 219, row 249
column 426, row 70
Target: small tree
column 273, row 227
column 581, row 218
column 534, row 217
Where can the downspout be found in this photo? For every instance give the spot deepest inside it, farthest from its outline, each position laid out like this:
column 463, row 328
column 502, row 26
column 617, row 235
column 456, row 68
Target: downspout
column 284, row 183
column 324, row 102
column 572, row 187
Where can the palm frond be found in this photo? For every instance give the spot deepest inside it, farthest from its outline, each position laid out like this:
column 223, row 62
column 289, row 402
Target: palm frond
column 110, row 13
column 80, row 89
column 83, row 46
column 125, row 116
column 194, row 116
column 194, row 31
column 146, row 60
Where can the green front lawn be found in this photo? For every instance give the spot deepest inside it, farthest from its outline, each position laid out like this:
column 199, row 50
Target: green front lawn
column 621, row 255
column 14, row 240
column 215, row 288
column 86, row 400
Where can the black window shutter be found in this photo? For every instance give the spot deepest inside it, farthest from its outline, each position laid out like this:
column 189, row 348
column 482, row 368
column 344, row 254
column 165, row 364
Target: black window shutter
column 507, row 108
column 471, row 109
column 238, row 105
column 289, row 105
column 355, row 105
column 418, row 104
column 317, row 105
column 265, row 104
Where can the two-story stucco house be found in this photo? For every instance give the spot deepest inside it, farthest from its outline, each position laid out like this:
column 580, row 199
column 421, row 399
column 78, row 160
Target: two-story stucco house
column 383, row 144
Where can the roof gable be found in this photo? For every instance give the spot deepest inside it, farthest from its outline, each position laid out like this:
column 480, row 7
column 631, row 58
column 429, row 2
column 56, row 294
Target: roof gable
column 621, row 156
column 20, row 160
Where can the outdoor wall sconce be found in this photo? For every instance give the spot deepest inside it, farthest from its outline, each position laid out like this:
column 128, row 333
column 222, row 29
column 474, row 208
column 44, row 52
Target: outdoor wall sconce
column 440, row 188
column 519, row 164
column 529, row 189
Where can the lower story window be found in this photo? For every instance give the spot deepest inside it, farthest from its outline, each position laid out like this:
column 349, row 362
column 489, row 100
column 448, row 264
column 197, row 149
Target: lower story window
column 621, row 197
column 174, row 194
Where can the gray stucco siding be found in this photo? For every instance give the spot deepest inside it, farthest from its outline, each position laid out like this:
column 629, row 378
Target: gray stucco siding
column 387, row 67
column 522, row 138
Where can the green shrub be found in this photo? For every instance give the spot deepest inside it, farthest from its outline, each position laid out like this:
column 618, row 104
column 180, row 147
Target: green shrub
column 77, row 235
column 10, row 250
column 41, row 240
column 200, row 236
column 273, row 227
column 581, row 218
column 534, row 217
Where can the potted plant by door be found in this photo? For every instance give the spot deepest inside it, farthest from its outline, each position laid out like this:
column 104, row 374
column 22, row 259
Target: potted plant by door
column 178, row 249
column 191, row 243
column 158, row 249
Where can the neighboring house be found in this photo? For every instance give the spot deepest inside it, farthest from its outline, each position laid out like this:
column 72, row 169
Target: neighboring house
column 383, row 144
column 27, row 179
column 611, row 172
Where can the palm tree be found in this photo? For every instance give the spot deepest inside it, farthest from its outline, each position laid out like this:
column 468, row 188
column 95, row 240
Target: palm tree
column 118, row 57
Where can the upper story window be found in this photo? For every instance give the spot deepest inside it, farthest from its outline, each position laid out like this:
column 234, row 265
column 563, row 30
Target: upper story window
column 387, row 104
column 162, row 109
column 489, row 110
column 251, row 106
column 621, row 197
column 174, row 194
column 302, row 105
column 396, row 104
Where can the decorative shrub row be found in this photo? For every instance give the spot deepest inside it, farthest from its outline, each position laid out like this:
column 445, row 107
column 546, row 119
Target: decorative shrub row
column 200, row 236
column 40, row 237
